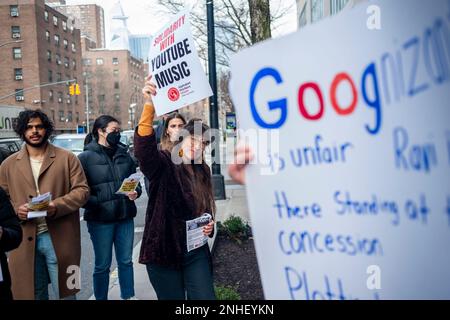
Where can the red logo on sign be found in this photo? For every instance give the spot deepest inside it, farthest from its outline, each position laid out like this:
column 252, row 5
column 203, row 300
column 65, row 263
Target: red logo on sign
column 173, row 94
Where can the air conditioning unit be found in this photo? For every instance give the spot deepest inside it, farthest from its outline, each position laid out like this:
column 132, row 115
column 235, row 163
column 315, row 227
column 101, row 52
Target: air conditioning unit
column 58, row 61
column 16, row 35
column 14, row 14
column 60, row 100
column 20, row 98
column 19, row 77
column 69, row 101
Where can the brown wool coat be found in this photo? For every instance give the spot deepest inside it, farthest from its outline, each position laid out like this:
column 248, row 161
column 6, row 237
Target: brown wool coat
column 62, row 175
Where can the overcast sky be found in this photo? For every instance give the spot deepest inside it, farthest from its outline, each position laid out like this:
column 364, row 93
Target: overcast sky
column 145, row 15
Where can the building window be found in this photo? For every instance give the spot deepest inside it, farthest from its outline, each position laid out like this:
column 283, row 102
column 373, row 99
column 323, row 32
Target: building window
column 53, row 115
column 101, row 98
column 15, row 32
column 50, row 97
column 19, row 95
column 116, row 73
column 87, row 62
column 77, row 115
column 60, row 97
column 49, row 55
column 18, row 74
column 47, row 35
column 55, row 21
column 117, row 97
column 17, row 53
column 64, row 25
column 115, row 61
column 68, row 99
column 59, row 77
column 99, row 61
column 69, row 116
column 46, row 15
column 58, row 59
column 14, row 11
column 74, row 64
column 66, row 62
column 116, row 85
column 66, row 44
column 50, row 76
column 73, row 48
column 316, row 10
column 56, row 40
column 61, row 116
column 337, row 5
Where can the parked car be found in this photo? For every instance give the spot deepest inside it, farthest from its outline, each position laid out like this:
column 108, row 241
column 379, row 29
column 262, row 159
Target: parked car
column 127, row 138
column 72, row 142
column 9, row 146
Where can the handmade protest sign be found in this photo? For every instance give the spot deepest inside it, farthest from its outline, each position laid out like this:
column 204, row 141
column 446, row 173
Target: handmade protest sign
column 353, row 198
column 176, row 68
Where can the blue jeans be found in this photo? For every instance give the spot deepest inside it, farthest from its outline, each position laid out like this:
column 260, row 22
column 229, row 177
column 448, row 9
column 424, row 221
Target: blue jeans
column 46, row 268
column 104, row 236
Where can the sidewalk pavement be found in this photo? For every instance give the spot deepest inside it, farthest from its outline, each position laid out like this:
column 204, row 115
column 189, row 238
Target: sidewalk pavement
column 236, row 203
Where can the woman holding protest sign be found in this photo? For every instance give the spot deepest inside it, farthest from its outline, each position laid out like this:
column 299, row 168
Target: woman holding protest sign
column 110, row 209
column 180, row 191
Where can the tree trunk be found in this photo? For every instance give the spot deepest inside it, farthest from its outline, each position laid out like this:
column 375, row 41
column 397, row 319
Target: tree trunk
column 259, row 20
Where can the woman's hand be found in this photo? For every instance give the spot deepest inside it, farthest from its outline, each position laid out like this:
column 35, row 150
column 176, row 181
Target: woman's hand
column 132, row 195
column 236, row 170
column 149, row 89
column 208, row 229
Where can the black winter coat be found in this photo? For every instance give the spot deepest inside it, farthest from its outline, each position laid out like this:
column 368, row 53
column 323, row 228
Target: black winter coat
column 11, row 239
column 105, row 176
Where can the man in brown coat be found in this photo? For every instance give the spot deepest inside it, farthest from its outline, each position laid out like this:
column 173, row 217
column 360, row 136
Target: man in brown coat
column 51, row 247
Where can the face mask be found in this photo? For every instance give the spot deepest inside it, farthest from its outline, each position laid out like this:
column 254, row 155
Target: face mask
column 113, row 139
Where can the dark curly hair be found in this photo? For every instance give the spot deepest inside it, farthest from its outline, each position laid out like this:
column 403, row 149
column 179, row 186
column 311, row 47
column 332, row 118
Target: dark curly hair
column 25, row 116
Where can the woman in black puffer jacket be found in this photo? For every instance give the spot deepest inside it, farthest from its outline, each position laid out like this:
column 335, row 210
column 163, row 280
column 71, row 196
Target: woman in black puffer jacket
column 109, row 216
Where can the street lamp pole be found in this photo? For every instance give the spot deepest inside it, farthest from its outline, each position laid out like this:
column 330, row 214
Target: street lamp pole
column 217, row 177
column 10, row 42
column 37, row 87
column 87, row 106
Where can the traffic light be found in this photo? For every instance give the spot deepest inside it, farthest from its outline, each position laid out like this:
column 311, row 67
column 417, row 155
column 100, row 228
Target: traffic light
column 74, row 89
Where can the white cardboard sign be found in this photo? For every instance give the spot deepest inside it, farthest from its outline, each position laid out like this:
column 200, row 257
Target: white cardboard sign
column 176, row 68
column 354, row 201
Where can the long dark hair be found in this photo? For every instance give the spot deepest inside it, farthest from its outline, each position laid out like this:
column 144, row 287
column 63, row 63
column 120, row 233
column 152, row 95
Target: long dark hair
column 100, row 123
column 199, row 175
column 21, row 124
column 166, row 144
